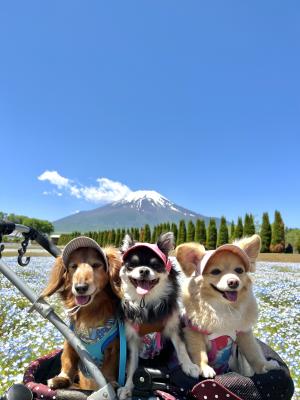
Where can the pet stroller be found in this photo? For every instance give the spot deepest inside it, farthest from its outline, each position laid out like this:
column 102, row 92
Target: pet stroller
column 161, row 378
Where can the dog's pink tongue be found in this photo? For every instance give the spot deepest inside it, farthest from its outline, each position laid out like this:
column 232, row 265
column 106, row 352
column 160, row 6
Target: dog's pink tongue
column 231, row 296
column 143, row 287
column 81, row 300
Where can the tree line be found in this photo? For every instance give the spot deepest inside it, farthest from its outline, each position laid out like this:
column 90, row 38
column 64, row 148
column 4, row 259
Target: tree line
column 272, row 235
column 39, row 224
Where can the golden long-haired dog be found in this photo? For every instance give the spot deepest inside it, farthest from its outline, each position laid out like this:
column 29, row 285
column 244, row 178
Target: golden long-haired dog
column 220, row 306
column 81, row 276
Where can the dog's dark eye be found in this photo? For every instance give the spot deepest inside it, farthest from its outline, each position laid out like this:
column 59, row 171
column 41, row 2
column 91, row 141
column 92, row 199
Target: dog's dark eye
column 239, row 270
column 73, row 267
column 129, row 266
column 215, row 271
column 97, row 265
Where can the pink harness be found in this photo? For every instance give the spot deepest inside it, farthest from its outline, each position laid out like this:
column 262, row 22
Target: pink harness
column 220, row 347
column 151, row 343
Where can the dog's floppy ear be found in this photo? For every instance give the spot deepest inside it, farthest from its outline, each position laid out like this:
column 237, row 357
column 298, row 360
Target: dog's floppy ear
column 114, row 259
column 251, row 246
column 165, row 242
column 57, row 278
column 189, row 256
column 127, row 243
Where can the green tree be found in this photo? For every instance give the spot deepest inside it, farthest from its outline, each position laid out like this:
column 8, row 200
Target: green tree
column 265, row 233
column 147, row 234
column 278, row 234
column 137, row 234
column 190, row 237
column 154, row 235
column 202, row 233
column 118, row 238
column 249, row 227
column 238, row 234
column 181, row 238
column 223, row 232
column 112, row 237
column 197, row 231
column 211, row 234
column 232, row 232
column 298, row 244
column 174, row 229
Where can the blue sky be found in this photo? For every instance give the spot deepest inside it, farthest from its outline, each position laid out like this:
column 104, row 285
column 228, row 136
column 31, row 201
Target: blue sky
column 197, row 100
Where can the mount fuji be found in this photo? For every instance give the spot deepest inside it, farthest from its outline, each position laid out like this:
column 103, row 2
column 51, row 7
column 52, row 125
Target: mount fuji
column 135, row 210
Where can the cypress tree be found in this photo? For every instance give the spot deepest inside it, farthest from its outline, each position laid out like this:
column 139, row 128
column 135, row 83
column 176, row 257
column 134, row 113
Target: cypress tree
column 159, row 230
column 232, row 232
column 223, row 232
column 112, row 237
column 105, row 238
column 181, row 238
column 100, row 238
column 202, row 233
column 190, row 237
column 211, row 234
column 298, row 244
column 238, row 233
column 147, row 233
column 132, row 232
column 249, row 227
column 174, row 229
column 168, row 227
column 118, row 238
column 265, row 233
column 123, row 233
column 154, row 235
column 197, row 231
column 278, row 234
column 142, row 233
column 137, row 234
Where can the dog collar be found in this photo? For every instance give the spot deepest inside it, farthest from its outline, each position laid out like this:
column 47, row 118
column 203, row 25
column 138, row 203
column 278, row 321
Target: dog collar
column 157, row 251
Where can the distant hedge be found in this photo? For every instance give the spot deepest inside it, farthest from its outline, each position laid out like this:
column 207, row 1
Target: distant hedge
column 209, row 236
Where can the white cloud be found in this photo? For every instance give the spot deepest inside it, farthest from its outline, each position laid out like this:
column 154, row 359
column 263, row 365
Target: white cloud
column 54, row 178
column 105, row 191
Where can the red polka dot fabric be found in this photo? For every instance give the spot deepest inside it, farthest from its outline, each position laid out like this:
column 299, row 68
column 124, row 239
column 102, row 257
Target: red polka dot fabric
column 211, row 390
column 39, row 390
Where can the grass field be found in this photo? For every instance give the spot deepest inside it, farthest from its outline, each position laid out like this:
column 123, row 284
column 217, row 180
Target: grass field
column 272, row 257
column 24, row 337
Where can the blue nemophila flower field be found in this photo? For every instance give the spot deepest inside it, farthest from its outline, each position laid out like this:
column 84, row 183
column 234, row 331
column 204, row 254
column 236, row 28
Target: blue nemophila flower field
column 24, row 336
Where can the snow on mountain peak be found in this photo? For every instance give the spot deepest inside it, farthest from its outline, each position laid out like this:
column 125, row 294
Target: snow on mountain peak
column 152, row 196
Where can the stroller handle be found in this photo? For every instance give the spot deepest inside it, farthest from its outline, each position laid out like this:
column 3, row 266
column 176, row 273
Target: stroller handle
column 6, row 228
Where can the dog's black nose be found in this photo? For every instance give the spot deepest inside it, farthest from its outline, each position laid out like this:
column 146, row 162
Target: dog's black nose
column 81, row 288
column 144, row 272
column 233, row 283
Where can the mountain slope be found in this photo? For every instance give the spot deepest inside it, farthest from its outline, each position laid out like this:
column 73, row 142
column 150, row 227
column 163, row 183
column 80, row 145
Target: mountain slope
column 137, row 209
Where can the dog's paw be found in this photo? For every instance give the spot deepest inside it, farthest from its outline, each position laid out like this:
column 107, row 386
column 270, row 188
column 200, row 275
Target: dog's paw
column 191, row 369
column 124, row 392
column 59, row 382
column 269, row 365
column 266, row 366
column 207, row 372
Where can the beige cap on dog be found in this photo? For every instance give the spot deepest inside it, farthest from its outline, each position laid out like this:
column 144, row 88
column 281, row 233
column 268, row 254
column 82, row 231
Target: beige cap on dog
column 79, row 242
column 227, row 247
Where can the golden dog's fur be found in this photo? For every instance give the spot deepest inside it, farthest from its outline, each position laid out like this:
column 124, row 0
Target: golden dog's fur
column 207, row 308
column 86, row 265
